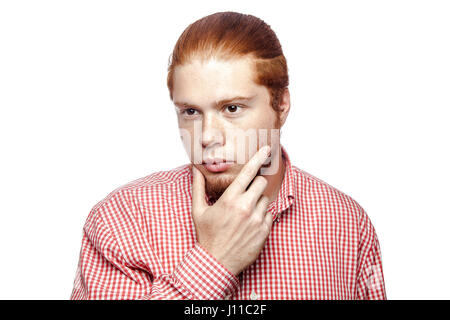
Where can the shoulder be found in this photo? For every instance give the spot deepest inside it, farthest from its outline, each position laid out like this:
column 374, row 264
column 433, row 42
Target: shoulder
column 328, row 206
column 328, row 199
column 155, row 185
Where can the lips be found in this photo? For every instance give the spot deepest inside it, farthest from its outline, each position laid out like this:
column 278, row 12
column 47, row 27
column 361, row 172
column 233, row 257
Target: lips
column 217, row 165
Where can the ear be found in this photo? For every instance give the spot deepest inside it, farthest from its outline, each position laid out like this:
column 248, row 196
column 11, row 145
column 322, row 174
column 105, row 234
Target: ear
column 284, row 107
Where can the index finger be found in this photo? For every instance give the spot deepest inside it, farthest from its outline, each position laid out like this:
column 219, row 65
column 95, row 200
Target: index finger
column 249, row 171
column 198, row 190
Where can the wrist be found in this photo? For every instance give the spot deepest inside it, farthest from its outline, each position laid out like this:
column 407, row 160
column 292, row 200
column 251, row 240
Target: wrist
column 211, row 281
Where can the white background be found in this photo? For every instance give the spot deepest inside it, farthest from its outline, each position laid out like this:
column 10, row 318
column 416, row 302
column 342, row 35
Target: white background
column 85, row 109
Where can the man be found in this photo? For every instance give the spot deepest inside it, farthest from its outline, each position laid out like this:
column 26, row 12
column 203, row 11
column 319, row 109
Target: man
column 240, row 221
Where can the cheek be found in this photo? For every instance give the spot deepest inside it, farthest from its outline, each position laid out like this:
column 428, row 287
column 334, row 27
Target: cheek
column 259, row 118
column 250, row 134
column 193, row 149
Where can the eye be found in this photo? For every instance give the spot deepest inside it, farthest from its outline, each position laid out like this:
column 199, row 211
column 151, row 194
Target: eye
column 232, row 108
column 189, row 112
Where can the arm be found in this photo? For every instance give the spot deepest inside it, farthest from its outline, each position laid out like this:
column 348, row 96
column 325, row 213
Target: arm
column 370, row 281
column 230, row 236
column 102, row 272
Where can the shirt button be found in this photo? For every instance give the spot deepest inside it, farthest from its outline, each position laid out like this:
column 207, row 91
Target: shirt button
column 253, row 295
column 228, row 297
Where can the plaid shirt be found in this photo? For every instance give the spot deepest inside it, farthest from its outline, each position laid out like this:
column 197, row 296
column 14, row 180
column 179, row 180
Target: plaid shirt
column 140, row 243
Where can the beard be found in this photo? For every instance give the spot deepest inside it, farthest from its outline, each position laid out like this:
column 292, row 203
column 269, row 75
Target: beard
column 216, row 185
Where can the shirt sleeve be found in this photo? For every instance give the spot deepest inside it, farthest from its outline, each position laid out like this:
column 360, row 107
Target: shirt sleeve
column 370, row 279
column 103, row 273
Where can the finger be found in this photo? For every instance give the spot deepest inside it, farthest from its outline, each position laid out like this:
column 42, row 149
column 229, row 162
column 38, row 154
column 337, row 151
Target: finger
column 248, row 172
column 262, row 205
column 269, row 219
column 256, row 189
column 198, row 190
column 261, row 208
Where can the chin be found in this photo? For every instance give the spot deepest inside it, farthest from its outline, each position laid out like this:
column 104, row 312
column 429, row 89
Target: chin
column 217, row 183
column 222, row 179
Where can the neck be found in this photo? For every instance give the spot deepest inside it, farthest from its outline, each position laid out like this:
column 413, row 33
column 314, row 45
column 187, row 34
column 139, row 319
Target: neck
column 275, row 180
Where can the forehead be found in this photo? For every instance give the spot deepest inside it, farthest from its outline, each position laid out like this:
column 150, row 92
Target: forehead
column 203, row 81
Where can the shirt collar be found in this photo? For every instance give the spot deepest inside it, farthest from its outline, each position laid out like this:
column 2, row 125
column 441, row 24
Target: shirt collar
column 286, row 194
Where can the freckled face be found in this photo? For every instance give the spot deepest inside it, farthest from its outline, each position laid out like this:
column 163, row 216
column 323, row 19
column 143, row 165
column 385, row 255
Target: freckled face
column 218, row 97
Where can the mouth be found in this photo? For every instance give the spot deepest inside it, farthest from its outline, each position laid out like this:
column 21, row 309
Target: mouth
column 217, row 165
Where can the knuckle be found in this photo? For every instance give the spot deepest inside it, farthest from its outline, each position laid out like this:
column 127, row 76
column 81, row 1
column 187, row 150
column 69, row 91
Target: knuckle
column 228, row 205
column 196, row 215
column 240, row 183
column 244, row 208
column 231, row 205
column 266, row 223
column 263, row 180
column 265, row 228
column 257, row 220
column 264, row 201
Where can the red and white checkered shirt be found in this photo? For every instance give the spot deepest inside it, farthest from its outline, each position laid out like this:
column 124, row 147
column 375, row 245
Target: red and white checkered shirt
column 140, row 243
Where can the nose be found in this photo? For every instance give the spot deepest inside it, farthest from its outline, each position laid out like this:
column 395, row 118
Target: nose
column 212, row 133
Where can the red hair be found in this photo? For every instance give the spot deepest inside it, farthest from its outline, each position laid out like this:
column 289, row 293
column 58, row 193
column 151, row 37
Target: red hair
column 228, row 35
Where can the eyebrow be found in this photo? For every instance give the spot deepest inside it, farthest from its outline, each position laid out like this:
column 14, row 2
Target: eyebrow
column 220, row 102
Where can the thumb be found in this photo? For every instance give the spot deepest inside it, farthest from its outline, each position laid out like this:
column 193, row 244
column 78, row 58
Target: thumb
column 198, row 191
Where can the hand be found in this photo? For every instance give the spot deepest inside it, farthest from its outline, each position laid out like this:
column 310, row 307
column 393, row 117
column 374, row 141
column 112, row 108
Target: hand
column 235, row 228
